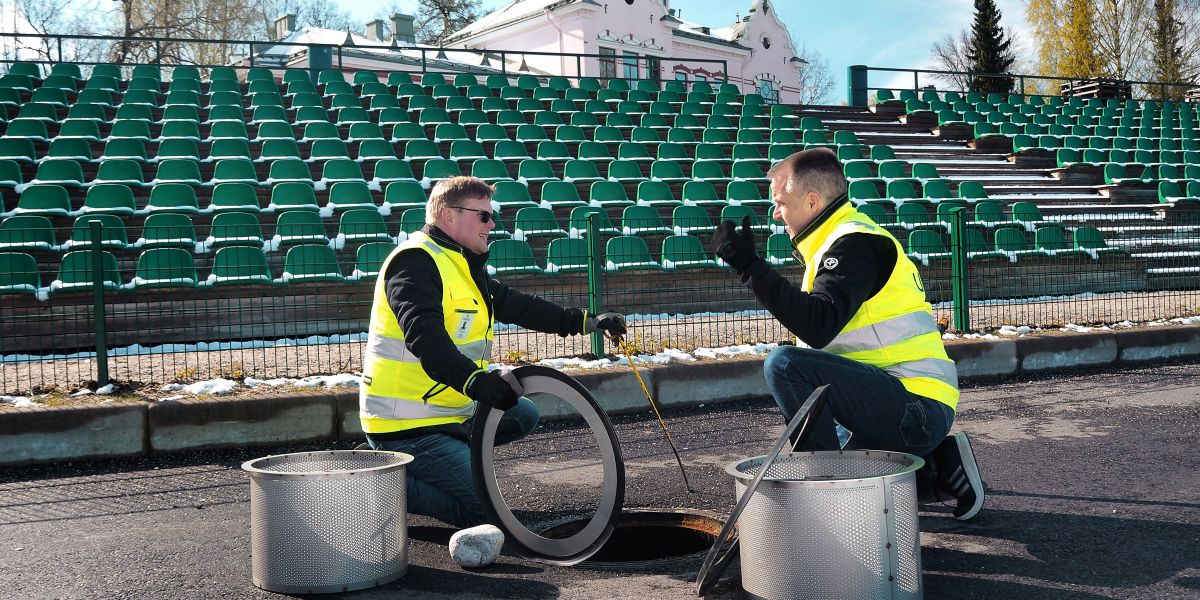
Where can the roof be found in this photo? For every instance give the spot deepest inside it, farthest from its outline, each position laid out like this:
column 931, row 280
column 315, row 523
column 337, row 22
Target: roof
column 511, row 12
column 360, row 45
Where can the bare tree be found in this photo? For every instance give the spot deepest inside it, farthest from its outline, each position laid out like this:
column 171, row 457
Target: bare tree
column 816, row 79
column 950, row 54
column 61, row 17
column 1187, row 12
column 313, row 13
column 437, row 19
column 1122, row 42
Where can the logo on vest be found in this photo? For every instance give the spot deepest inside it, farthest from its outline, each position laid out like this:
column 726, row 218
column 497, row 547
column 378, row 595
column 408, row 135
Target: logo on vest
column 830, row 263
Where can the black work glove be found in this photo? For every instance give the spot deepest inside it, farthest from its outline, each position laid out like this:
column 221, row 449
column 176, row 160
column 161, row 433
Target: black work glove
column 495, row 390
column 735, row 246
column 611, row 323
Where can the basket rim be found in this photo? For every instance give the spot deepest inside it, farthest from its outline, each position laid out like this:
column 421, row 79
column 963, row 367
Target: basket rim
column 254, row 468
column 914, row 463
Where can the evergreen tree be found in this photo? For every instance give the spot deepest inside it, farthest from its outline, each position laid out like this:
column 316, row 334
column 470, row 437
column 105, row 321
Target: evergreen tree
column 989, row 50
column 1167, row 51
column 1080, row 59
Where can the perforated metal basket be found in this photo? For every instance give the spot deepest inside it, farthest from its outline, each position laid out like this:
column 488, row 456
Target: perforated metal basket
column 831, row 525
column 323, row 522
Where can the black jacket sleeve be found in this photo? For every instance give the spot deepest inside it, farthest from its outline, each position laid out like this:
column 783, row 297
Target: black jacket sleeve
column 853, row 270
column 534, row 312
column 414, row 292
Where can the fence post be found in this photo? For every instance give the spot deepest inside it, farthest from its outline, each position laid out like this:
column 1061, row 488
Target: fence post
column 595, row 283
column 959, row 275
column 99, row 315
column 856, row 79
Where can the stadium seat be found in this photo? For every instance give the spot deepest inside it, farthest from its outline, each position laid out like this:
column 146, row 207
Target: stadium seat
column 310, row 263
column 608, row 194
column 780, row 250
column 511, row 257
column 234, row 229
column 567, row 255
column 642, row 220
column 27, row 232
column 349, row 194
column 173, row 197
column 110, row 199
column 19, row 274
column 298, row 227
column 292, row 196
column 369, row 259
column 240, row 197
column 76, row 272
column 239, row 265
column 43, row 200
column 685, row 252
column 578, row 221
column 112, row 232
column 168, row 230
column 627, row 252
column 361, row 225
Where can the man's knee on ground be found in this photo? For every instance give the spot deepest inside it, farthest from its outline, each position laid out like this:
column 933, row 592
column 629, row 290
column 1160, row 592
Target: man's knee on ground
column 784, row 360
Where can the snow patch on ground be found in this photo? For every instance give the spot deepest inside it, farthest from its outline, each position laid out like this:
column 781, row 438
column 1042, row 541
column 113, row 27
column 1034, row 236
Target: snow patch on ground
column 18, row 401
column 216, row 387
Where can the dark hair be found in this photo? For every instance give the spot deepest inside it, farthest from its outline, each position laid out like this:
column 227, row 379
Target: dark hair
column 816, row 170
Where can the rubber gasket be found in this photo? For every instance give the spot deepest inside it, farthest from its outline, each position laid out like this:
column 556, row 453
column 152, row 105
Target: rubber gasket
column 723, row 548
column 582, row 545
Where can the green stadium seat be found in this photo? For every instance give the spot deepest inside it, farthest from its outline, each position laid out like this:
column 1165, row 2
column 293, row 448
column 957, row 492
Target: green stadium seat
column 297, row 227
column 439, row 168
column 167, row 230
column 173, row 197
column 511, row 257
column 643, row 220
column 656, row 193
column 178, row 171
column 490, row 170
column 625, row 171
column 608, row 194
column 390, row 170
column 989, row 212
column 239, row 265
column 685, row 252
column 308, row 263
column 112, row 232
column 374, row 150
column 413, row 220
column 327, row 150
column 349, row 194
column 534, row 222
column 404, row 194
column 745, row 193
column 128, row 149
column 701, row 193
column 1012, row 242
column 28, row 129
column 669, row 171
column 59, row 172
column 340, row 170
column 971, row 190
column 361, row 225
column 1090, row 240
column 228, row 149
column 560, row 194
column 1053, row 240
column 234, row 229
column 578, row 221
column 369, row 259
column 27, row 232
column 628, row 253
column 580, row 170
column 293, row 197
column 780, row 250
column 241, row 197
column 289, row 170
column 19, row 274
column 926, row 245
column 75, row 272
column 737, row 213
column 567, row 255
column 1028, row 215
column 687, row 220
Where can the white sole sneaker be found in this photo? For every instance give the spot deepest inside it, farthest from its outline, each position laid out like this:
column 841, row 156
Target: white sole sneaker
column 970, row 470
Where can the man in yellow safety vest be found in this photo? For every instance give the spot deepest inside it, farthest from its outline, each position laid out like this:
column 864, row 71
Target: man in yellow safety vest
column 426, row 363
column 862, row 324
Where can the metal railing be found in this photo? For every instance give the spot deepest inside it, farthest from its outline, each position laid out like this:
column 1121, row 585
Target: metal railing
column 859, row 86
column 301, row 306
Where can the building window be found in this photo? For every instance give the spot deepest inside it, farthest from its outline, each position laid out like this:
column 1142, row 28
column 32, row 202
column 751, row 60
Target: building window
column 631, row 65
column 766, row 89
column 766, row 42
column 680, row 76
column 653, row 68
column 608, row 63
column 701, row 78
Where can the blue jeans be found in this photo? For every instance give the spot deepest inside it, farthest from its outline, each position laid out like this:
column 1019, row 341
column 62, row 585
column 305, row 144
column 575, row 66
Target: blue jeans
column 871, row 405
column 439, row 478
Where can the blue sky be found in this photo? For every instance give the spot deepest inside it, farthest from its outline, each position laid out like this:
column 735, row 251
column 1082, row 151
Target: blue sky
column 876, row 33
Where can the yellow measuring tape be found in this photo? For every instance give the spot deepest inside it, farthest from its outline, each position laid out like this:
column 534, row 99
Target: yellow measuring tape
column 627, row 348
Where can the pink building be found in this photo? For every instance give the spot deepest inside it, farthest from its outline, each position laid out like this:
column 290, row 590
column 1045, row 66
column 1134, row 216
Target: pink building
column 644, row 39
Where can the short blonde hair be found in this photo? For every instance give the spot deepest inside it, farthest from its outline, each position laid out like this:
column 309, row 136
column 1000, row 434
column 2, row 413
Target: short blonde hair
column 452, row 192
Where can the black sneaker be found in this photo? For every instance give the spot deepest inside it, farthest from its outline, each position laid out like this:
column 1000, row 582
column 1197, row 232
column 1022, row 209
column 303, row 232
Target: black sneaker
column 957, row 475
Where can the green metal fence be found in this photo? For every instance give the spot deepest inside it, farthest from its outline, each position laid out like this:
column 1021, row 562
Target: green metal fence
column 282, row 298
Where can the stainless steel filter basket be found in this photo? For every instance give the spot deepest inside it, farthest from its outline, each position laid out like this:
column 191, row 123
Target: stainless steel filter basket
column 834, row 525
column 324, row 522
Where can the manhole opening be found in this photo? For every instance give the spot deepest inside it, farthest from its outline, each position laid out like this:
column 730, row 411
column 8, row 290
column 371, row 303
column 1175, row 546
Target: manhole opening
column 646, row 536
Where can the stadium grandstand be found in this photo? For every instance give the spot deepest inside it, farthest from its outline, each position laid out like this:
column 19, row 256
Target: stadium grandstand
column 183, row 207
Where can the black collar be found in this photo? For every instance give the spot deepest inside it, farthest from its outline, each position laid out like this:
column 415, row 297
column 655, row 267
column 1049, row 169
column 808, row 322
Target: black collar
column 820, row 218
column 443, row 239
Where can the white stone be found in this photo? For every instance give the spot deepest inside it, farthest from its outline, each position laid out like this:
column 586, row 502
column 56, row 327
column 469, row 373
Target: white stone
column 477, row 546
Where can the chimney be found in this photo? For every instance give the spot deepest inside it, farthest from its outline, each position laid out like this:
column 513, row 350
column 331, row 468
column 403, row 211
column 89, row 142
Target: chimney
column 402, row 29
column 706, row 30
column 375, row 30
column 284, row 26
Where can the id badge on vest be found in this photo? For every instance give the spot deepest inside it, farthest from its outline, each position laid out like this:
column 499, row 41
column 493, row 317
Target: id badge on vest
column 466, row 318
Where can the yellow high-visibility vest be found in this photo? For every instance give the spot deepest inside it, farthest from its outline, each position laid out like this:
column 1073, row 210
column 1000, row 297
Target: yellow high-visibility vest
column 396, row 394
column 895, row 329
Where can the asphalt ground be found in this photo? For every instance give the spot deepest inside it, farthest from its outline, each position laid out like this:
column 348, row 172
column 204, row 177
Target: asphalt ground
column 1092, row 479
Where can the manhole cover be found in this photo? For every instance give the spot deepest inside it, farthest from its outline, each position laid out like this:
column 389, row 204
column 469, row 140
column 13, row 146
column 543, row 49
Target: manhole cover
column 650, row 538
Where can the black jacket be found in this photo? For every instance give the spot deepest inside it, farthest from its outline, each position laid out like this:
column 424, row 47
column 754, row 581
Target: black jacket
column 414, row 293
column 864, row 264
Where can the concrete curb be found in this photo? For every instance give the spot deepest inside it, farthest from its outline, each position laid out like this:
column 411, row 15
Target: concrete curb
column 45, row 434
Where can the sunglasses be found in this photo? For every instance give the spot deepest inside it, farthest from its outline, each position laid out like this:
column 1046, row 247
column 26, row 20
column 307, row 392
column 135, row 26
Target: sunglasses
column 485, row 216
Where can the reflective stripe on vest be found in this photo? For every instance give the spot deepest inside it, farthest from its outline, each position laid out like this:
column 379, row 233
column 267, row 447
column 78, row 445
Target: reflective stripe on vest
column 395, row 349
column 894, row 329
column 396, row 393
column 884, row 333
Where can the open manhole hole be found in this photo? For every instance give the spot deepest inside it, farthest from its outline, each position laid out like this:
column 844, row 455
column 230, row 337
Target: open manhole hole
column 649, row 538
